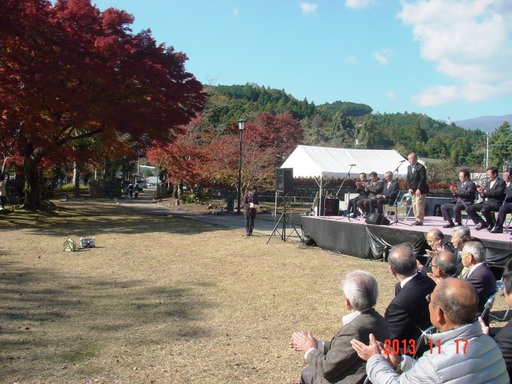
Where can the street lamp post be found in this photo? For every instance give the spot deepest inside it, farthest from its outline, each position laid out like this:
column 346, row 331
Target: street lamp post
column 356, row 141
column 241, row 126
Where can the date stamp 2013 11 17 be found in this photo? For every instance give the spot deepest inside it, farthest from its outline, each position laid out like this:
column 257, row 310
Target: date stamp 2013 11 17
column 397, row 346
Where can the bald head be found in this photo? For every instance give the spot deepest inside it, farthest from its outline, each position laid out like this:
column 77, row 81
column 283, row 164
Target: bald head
column 402, row 260
column 435, row 233
column 446, row 263
column 458, row 300
column 434, row 238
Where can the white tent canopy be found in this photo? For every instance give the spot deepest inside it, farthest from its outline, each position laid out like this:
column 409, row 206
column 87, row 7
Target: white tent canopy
column 319, row 162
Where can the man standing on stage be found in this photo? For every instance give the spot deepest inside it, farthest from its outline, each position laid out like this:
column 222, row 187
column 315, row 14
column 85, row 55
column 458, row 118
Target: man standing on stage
column 465, row 196
column 418, row 188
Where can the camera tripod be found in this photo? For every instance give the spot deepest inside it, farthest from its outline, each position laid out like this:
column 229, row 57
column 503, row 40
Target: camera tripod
column 282, row 221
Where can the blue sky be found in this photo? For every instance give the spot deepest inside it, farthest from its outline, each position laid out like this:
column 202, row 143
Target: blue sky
column 444, row 58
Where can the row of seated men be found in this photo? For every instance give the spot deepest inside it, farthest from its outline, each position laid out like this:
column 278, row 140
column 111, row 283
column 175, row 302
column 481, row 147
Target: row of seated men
column 479, row 201
column 448, row 293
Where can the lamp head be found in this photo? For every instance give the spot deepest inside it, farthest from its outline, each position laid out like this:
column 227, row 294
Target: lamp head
column 241, row 124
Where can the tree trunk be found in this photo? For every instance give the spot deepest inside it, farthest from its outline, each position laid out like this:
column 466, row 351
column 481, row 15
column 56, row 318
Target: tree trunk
column 31, row 158
column 31, row 187
column 76, row 179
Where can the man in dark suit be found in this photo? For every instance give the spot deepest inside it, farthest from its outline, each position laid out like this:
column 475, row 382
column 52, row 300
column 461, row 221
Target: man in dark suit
column 506, row 207
column 387, row 196
column 372, row 189
column 465, row 196
column 444, row 265
column 477, row 272
column 418, row 188
column 437, row 243
column 493, row 194
column 336, row 361
column 407, row 314
column 360, row 188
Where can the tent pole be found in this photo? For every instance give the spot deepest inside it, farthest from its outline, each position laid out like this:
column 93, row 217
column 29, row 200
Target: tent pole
column 320, row 196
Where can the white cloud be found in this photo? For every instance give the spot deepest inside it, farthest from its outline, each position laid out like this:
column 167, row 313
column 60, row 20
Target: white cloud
column 383, row 56
column 437, row 95
column 357, row 3
column 308, row 8
column 380, row 58
column 470, row 41
column 235, row 12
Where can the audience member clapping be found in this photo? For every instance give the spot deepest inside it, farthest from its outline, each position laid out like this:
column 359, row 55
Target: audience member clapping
column 335, row 361
column 459, row 353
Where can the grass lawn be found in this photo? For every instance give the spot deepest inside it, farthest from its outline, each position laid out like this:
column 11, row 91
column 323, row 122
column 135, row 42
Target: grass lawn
column 160, row 299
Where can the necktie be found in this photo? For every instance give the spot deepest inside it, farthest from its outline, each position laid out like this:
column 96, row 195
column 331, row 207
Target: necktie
column 464, row 273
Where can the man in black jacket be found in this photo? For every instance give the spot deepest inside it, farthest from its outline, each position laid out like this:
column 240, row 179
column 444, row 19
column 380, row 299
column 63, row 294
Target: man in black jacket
column 492, row 195
column 418, row 188
column 407, row 314
column 506, row 207
column 387, row 196
column 464, row 193
column 373, row 188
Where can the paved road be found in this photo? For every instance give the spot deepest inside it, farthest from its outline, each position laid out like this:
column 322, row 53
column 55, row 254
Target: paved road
column 264, row 224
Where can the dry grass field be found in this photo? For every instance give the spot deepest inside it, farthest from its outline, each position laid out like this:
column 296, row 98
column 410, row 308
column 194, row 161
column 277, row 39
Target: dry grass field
column 159, row 299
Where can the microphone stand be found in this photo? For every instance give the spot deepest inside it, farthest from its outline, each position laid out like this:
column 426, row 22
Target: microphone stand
column 343, row 183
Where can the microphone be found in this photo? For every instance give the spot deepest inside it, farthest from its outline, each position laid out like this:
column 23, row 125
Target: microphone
column 403, row 161
column 352, row 165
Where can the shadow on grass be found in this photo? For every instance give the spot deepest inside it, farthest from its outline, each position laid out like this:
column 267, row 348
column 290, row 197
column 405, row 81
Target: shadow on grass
column 101, row 216
column 49, row 318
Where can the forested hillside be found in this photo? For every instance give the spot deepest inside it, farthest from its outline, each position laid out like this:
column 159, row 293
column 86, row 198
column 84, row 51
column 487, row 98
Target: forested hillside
column 348, row 124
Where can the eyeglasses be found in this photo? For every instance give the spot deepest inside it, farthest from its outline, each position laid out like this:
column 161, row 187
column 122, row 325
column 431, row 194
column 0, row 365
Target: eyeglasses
column 429, row 300
column 434, row 266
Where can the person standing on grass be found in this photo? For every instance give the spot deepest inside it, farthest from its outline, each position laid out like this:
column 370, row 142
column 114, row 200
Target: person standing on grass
column 3, row 191
column 251, row 202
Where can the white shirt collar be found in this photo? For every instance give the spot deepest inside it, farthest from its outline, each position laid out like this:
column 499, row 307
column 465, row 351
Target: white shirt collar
column 471, row 269
column 348, row 318
column 406, row 280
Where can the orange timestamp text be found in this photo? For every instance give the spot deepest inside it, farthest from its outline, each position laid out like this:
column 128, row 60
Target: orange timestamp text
column 399, row 346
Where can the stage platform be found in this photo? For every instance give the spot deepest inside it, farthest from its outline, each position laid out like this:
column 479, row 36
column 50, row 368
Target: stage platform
column 355, row 237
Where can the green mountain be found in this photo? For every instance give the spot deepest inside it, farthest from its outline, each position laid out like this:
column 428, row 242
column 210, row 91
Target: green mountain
column 348, row 124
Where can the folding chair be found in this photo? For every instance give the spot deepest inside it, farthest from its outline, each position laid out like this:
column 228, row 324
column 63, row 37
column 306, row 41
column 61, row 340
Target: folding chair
column 488, row 306
column 499, row 289
column 403, row 202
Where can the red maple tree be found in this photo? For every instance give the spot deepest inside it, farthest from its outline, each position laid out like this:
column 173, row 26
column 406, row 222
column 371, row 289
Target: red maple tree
column 209, row 156
column 70, row 71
